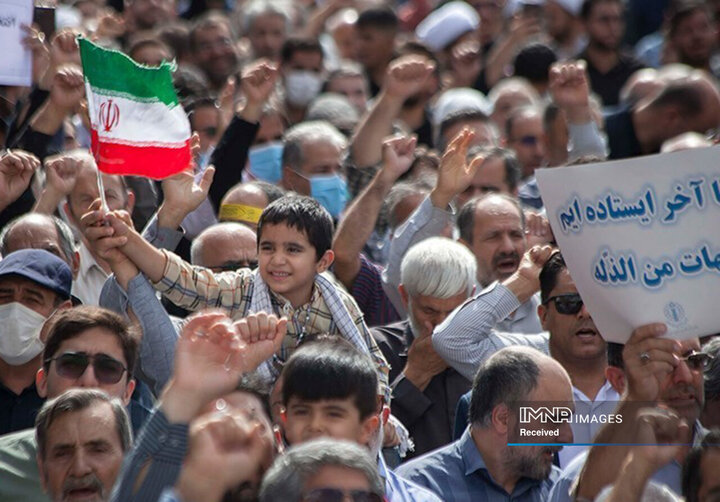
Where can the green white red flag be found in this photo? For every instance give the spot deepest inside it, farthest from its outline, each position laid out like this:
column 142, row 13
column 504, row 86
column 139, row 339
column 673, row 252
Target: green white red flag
column 138, row 125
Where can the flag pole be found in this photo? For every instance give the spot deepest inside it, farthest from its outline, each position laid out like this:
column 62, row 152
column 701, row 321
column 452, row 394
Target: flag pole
column 101, row 189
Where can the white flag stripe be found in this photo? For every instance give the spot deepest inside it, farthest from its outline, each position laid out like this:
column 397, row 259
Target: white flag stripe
column 124, row 121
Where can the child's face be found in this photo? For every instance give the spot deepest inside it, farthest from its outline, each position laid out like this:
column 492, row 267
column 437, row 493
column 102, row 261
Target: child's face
column 334, row 418
column 287, row 262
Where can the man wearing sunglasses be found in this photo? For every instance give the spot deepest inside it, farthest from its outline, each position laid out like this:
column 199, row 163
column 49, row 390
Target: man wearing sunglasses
column 469, row 335
column 86, row 347
column 323, row 470
column 225, row 246
column 33, row 284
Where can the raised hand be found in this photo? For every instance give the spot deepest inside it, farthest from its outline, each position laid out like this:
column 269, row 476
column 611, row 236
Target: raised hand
column 263, row 335
column 648, row 360
column 570, row 90
column 455, row 174
column 257, row 84
column 68, row 88
column 34, row 40
column 423, row 363
column 61, row 173
column 537, row 229
column 465, row 63
column 16, row 170
column 398, row 154
column 661, row 434
column 406, row 76
column 110, row 25
column 182, row 195
column 106, row 233
column 225, row 451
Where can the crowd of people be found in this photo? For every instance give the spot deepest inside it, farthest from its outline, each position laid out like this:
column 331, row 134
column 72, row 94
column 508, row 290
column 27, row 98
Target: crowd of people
column 349, row 290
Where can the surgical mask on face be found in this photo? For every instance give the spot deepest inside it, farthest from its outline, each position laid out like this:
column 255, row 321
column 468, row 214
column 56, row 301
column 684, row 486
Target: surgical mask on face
column 302, row 86
column 20, row 333
column 330, row 191
column 266, row 161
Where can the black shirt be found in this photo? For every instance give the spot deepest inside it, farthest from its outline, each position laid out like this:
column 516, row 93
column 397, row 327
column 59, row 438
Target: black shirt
column 622, row 140
column 429, row 415
column 608, row 85
column 17, row 412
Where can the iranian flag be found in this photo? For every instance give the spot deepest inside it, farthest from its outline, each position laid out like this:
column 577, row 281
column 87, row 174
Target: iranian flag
column 138, row 126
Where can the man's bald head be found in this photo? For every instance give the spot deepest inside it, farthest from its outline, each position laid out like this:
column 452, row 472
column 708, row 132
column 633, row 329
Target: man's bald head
column 225, row 246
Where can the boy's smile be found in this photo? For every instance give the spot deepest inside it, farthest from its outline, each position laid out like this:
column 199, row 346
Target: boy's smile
column 288, row 262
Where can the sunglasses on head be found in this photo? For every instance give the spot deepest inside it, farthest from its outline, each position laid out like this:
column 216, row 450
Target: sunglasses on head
column 697, row 360
column 73, row 365
column 568, row 304
column 337, row 495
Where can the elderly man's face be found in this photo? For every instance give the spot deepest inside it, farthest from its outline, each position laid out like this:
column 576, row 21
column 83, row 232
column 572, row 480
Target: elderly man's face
column 28, row 293
column 489, row 177
column 93, row 342
column 683, row 389
column 86, row 191
column 36, row 232
column 426, row 312
column 229, row 251
column 83, row 455
column 320, row 158
column 341, row 478
column 498, row 239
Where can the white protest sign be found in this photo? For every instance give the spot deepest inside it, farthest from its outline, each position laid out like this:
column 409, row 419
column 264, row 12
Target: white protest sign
column 641, row 238
column 16, row 60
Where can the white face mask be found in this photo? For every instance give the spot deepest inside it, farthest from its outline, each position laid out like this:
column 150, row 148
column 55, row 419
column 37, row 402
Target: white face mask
column 302, row 86
column 19, row 333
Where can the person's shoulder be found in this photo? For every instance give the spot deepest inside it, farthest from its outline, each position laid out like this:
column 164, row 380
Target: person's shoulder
column 24, row 439
column 442, row 460
column 417, row 492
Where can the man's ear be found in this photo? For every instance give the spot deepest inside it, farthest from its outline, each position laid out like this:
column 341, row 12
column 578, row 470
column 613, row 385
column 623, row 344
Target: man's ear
column 368, row 428
column 130, row 202
column 500, row 419
column 75, row 259
column 403, row 295
column 616, row 377
column 129, row 388
column 41, row 382
column 542, row 312
column 325, row 261
column 69, row 213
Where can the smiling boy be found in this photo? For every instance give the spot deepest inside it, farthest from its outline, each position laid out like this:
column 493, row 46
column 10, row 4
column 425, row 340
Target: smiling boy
column 294, row 250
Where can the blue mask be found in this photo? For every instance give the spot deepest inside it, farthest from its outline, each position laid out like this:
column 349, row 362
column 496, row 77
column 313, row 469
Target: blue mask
column 330, row 191
column 266, row 161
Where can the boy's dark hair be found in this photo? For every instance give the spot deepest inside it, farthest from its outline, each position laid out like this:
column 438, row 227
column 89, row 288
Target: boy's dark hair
column 69, row 323
column 588, row 5
column 305, row 215
column 331, row 368
column 549, row 275
column 299, row 44
column 533, row 62
column 381, row 17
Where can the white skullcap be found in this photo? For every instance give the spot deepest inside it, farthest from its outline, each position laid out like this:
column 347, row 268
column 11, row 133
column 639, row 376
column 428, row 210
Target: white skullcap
column 446, row 24
column 460, row 99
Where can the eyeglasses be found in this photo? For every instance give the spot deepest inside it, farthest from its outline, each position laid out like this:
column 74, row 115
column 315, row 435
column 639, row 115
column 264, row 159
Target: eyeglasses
column 569, row 304
column 73, row 365
column 234, row 265
column 697, row 360
column 336, row 495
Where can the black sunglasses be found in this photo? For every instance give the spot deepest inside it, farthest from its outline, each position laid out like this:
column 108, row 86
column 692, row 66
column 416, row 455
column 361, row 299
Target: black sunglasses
column 336, row 495
column 73, row 365
column 568, row 304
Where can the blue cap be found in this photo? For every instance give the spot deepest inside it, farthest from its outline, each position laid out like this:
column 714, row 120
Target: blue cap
column 39, row 266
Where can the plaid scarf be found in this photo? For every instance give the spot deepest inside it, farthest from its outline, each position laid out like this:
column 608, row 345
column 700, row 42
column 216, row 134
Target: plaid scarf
column 261, row 302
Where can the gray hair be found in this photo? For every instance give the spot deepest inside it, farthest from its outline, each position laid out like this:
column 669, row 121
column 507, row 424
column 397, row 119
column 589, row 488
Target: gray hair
column 398, row 193
column 287, row 477
column 257, row 8
column 508, row 376
column 712, row 372
column 66, row 239
column 438, row 267
column 75, row 400
column 335, row 109
column 309, row 132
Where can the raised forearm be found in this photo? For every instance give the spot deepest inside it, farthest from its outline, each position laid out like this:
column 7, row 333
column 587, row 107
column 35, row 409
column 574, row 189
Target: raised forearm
column 48, row 119
column 148, row 259
column 356, row 228
column 366, row 145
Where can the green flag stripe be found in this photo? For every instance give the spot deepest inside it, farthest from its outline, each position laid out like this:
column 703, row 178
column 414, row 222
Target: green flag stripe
column 115, row 72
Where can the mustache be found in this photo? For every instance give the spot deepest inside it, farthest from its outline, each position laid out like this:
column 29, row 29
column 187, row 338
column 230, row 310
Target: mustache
column 684, row 389
column 505, row 256
column 87, row 482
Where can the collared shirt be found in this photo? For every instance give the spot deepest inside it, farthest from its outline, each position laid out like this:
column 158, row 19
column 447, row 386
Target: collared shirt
column 196, row 288
column 467, row 337
column 458, row 473
column 17, row 411
column 398, row 489
column 90, row 280
column 428, row 414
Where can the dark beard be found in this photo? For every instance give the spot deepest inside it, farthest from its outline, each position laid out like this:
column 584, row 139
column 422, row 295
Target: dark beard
column 242, row 493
